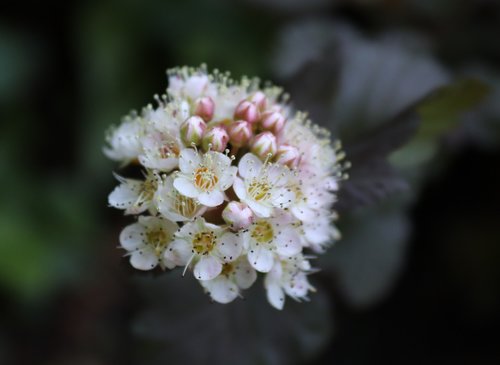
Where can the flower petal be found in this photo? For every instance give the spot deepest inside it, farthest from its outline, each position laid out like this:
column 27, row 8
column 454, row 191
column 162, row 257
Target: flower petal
column 144, row 259
column 221, row 289
column 229, row 247
column 126, row 194
column 275, row 294
column 282, row 198
column 207, row 268
column 178, row 252
column 288, row 242
column 244, row 274
column 212, row 198
column 239, row 188
column 185, row 187
column 260, row 210
column 189, row 160
column 132, row 237
column 261, row 259
column 249, row 166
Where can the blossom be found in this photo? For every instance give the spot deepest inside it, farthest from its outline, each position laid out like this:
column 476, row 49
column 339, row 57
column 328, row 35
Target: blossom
column 235, row 183
column 206, row 245
column 262, row 186
column 135, row 196
column 266, row 238
column 204, row 177
column 146, row 242
column 234, row 277
column 288, row 276
column 125, row 141
column 175, row 206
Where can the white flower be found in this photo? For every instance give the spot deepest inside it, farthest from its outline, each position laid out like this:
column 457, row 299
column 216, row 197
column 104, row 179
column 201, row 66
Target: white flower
column 204, row 177
column 234, row 277
column 320, row 232
column 310, row 197
column 288, row 276
column 160, row 151
column 264, row 185
column 146, row 242
column 207, row 245
column 125, row 141
column 187, row 83
column 267, row 237
column 135, row 196
column 175, row 206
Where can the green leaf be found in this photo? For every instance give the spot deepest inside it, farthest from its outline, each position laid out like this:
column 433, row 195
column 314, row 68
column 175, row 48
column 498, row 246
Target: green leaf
column 439, row 113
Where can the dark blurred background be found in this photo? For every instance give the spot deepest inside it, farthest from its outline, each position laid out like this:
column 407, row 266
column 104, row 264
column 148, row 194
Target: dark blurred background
column 416, row 277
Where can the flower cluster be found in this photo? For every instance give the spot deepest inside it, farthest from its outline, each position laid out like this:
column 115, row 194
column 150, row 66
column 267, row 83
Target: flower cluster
column 233, row 185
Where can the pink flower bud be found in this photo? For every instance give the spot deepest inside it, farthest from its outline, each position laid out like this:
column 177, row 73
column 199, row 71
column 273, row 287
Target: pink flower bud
column 204, row 108
column 215, row 139
column 237, row 215
column 240, row 133
column 273, row 121
column 288, row 155
column 259, row 99
column 192, row 130
column 264, row 144
column 248, row 111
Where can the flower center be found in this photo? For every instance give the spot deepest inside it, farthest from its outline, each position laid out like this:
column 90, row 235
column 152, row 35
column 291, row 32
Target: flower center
column 262, row 231
column 185, row 206
column 169, row 149
column 205, row 178
column 227, row 269
column 259, row 190
column 158, row 239
column 148, row 189
column 204, row 242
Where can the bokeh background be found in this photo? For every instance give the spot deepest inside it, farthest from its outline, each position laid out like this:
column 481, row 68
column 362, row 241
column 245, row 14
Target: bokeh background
column 416, row 277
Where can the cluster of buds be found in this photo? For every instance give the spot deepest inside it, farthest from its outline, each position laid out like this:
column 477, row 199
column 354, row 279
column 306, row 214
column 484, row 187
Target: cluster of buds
column 235, row 185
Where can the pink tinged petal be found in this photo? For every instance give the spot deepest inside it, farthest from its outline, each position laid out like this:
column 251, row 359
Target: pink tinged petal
column 144, row 259
column 275, row 294
column 132, row 237
column 261, row 259
column 163, row 164
column 298, row 286
column 207, row 268
column 282, row 198
column 185, row 187
column 229, row 247
column 278, row 175
column 222, row 290
column 244, row 274
column 212, row 198
column 239, row 188
column 178, row 252
column 125, row 195
column 189, row 160
column 288, row 242
column 260, row 210
column 249, row 166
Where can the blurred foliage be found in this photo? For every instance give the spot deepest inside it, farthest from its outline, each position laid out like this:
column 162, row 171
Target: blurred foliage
column 404, row 84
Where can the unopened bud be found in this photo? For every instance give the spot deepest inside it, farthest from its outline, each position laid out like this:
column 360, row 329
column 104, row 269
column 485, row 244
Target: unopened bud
column 248, row 111
column 288, row 155
column 259, row 99
column 204, row 108
column 237, row 215
column 192, row 130
column 215, row 139
column 240, row 133
column 273, row 121
column 264, row 144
